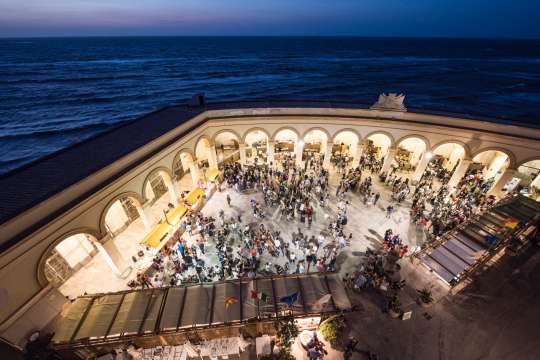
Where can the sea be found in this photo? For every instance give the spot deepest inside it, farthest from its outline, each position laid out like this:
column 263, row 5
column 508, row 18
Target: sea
column 55, row 92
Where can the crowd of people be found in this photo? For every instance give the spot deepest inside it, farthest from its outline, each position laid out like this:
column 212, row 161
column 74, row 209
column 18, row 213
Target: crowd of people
column 224, row 247
column 433, row 205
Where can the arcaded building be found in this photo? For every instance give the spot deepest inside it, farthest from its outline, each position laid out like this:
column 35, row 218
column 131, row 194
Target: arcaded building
column 104, row 196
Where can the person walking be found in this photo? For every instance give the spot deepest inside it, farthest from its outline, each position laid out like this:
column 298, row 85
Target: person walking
column 229, row 200
column 389, row 211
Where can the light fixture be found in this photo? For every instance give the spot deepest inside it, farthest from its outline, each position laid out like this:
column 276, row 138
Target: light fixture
column 429, row 155
column 301, row 143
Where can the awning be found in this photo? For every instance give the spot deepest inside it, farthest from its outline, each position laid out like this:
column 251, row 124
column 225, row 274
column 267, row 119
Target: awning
column 156, row 235
column 212, row 174
column 194, row 195
column 160, row 232
column 177, row 214
column 93, row 319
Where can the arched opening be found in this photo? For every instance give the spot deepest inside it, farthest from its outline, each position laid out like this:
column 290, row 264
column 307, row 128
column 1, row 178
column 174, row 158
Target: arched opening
column 285, row 145
column 344, row 148
column 202, row 152
column 446, row 158
column 159, row 191
column 490, row 164
column 529, row 173
column 449, row 155
column 80, row 264
column 345, row 143
column 182, row 166
column 121, row 214
column 67, row 257
column 409, row 152
column 314, row 146
column 486, row 168
column 376, row 146
column 126, row 223
column 257, row 142
column 227, row 143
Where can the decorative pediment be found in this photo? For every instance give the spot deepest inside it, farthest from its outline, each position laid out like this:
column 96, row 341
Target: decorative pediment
column 390, row 102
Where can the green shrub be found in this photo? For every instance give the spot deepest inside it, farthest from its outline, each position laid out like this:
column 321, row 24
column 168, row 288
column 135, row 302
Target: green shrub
column 425, row 295
column 287, row 331
column 330, row 331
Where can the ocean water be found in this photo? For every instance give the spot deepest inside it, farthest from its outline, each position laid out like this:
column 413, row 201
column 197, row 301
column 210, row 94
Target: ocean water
column 55, row 92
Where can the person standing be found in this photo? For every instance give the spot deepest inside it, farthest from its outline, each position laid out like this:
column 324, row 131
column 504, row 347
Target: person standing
column 376, row 198
column 389, row 211
column 229, row 200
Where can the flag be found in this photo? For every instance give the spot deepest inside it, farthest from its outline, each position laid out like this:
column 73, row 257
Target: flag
column 319, row 304
column 290, row 299
column 259, row 295
column 230, row 300
column 491, row 239
column 510, row 223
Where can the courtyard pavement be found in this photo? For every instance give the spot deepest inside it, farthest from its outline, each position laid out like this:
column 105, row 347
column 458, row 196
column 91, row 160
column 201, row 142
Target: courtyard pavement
column 495, row 317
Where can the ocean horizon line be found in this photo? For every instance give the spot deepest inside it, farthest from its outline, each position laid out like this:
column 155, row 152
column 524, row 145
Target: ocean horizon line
column 270, row 36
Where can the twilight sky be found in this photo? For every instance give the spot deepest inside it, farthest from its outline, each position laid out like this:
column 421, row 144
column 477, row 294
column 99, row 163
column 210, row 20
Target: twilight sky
column 449, row 18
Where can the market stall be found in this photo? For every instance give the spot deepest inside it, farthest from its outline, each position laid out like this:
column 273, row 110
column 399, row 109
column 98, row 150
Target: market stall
column 159, row 235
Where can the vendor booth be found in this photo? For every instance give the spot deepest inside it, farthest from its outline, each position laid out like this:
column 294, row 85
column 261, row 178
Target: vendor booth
column 159, row 234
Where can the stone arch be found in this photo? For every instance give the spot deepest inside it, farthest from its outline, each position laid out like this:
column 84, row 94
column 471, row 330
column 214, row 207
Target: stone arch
column 466, row 156
column 246, row 133
column 358, row 136
column 523, row 162
column 131, row 194
column 213, row 141
column 317, row 128
column 178, row 155
column 199, row 141
column 41, row 278
column 415, row 136
column 386, row 133
column 149, row 176
column 532, row 179
column 511, row 156
column 285, row 128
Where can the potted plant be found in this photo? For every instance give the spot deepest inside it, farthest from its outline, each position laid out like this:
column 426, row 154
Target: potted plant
column 425, row 297
column 286, row 331
column 332, row 329
column 394, row 307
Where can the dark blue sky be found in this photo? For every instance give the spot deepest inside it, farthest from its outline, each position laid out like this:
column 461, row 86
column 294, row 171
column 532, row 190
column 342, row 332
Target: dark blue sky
column 448, row 18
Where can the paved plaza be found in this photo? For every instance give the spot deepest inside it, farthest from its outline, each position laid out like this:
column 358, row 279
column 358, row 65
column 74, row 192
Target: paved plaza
column 367, row 223
column 482, row 322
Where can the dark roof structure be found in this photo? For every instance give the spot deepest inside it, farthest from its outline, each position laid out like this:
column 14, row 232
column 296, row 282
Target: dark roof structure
column 93, row 320
column 465, row 249
column 35, row 182
column 29, row 185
